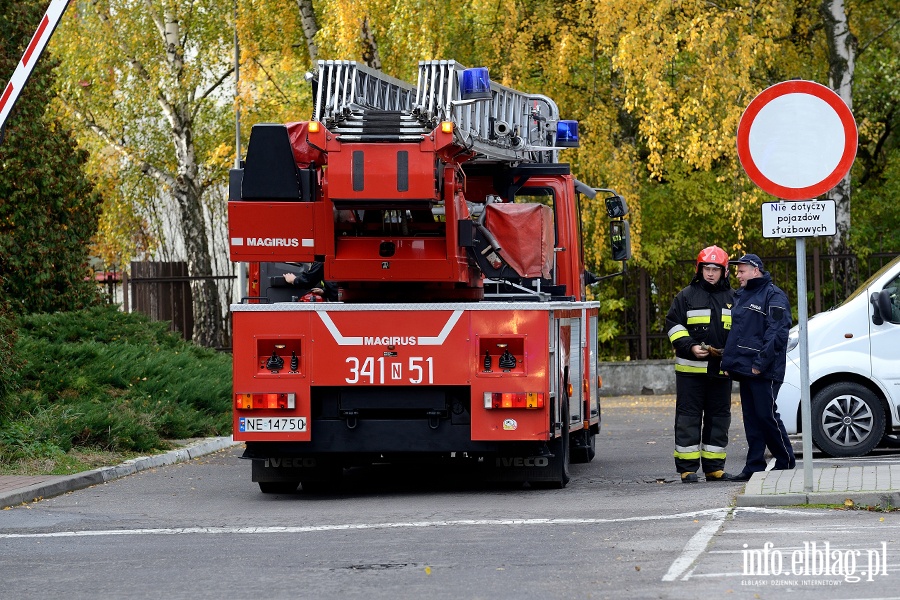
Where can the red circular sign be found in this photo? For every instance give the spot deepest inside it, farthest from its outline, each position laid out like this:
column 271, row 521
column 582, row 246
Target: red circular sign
column 797, row 140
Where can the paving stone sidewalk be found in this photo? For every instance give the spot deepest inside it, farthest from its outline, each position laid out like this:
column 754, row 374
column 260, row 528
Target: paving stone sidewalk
column 867, row 485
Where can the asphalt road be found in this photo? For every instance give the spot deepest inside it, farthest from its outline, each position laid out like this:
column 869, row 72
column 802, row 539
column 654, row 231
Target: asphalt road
column 623, row 528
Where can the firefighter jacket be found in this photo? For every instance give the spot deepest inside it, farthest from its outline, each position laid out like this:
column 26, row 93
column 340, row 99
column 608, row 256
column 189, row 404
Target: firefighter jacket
column 700, row 314
column 758, row 340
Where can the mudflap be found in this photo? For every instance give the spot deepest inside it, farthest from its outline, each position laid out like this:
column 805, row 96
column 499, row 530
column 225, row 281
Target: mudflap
column 547, row 467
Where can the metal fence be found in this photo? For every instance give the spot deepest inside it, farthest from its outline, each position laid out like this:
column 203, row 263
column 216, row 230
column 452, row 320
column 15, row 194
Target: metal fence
column 649, row 295
column 160, row 290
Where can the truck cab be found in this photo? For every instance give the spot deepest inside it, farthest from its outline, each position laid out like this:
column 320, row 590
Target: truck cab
column 854, row 369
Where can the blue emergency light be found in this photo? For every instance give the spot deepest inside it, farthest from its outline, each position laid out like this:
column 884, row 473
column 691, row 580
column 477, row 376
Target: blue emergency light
column 567, row 134
column 475, row 84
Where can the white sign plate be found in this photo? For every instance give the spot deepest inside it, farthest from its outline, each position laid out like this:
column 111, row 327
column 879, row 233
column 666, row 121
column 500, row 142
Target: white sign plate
column 803, row 218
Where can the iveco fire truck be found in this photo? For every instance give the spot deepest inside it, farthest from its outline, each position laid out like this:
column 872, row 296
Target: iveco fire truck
column 461, row 330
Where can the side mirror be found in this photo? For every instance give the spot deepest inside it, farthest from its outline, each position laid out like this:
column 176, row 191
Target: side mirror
column 620, row 240
column 616, row 207
column 883, row 307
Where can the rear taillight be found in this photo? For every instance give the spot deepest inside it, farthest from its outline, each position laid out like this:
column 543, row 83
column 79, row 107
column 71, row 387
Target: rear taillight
column 268, row 400
column 514, row 400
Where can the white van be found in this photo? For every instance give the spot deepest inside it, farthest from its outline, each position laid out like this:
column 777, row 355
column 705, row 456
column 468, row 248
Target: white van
column 854, row 369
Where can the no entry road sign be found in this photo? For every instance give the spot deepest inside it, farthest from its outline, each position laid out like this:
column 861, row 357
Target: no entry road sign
column 797, row 140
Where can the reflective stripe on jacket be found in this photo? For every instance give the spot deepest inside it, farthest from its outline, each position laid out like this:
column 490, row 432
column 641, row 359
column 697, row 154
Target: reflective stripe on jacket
column 700, row 313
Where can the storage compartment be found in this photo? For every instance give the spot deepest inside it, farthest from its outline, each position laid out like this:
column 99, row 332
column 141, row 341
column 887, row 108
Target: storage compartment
column 501, row 354
column 279, row 356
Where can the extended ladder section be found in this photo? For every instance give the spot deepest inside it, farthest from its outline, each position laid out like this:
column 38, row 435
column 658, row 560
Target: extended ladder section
column 363, row 104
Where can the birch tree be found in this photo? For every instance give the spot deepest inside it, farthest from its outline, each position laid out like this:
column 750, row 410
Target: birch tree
column 842, row 47
column 310, row 28
column 144, row 82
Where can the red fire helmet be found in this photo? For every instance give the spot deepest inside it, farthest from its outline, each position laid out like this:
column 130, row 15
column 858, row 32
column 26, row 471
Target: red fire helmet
column 713, row 255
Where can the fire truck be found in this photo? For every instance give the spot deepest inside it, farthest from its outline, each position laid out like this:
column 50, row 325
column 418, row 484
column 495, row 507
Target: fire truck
column 461, row 330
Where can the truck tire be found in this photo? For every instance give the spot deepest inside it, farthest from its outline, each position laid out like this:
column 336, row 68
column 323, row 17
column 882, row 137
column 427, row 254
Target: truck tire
column 847, row 419
column 584, row 447
column 278, row 487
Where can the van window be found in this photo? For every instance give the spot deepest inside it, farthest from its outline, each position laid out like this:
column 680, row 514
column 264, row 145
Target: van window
column 861, row 289
column 893, row 288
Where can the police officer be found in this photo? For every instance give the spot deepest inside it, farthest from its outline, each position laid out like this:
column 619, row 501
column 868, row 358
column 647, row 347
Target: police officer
column 697, row 324
column 755, row 357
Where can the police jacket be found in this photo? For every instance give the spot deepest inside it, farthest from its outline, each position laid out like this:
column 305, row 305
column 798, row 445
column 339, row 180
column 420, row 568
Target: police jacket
column 700, row 313
column 761, row 321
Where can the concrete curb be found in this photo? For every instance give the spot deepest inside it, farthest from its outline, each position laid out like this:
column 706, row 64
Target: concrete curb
column 882, row 499
column 80, row 481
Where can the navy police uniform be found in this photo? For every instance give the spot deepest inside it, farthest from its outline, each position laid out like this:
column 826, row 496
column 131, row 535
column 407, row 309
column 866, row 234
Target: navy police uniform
column 761, row 321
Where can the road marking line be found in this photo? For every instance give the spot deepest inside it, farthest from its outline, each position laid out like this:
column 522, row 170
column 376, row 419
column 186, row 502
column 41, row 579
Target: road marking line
column 695, row 546
column 360, row 526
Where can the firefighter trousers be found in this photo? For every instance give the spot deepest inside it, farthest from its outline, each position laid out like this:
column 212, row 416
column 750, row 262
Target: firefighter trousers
column 702, row 419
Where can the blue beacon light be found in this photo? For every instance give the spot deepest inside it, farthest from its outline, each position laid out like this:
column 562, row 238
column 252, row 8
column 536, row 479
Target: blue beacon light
column 567, row 134
column 475, row 84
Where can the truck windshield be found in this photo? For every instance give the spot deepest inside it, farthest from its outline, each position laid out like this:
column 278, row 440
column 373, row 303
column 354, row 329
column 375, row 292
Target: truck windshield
column 862, row 288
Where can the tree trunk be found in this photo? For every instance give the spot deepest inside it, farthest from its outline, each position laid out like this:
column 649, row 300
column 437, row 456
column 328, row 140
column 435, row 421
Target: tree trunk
column 187, row 191
column 842, row 46
column 208, row 324
column 370, row 47
column 310, row 28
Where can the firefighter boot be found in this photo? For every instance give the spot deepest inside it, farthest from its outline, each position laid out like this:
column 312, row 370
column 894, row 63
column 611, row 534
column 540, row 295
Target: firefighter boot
column 718, row 476
column 689, row 478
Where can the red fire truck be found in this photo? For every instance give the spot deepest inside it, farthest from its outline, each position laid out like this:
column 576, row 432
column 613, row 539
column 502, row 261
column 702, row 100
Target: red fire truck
column 461, row 331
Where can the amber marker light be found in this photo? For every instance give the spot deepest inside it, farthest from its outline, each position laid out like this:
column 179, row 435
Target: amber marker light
column 447, row 126
column 314, row 126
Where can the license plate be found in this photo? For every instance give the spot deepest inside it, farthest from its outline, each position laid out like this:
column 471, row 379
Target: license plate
column 272, row 424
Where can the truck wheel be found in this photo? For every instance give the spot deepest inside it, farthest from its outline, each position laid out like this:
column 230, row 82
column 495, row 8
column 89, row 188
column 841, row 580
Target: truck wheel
column 278, row 487
column 585, row 447
column 847, row 420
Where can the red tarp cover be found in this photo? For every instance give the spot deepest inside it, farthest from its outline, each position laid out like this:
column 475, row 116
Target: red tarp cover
column 304, row 154
column 525, row 235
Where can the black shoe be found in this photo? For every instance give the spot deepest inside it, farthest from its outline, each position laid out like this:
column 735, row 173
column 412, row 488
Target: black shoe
column 689, row 478
column 742, row 476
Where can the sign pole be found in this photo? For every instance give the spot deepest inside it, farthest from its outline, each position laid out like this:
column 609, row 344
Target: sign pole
column 796, row 140
column 805, row 405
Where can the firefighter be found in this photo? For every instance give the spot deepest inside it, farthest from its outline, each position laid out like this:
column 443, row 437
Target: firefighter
column 697, row 325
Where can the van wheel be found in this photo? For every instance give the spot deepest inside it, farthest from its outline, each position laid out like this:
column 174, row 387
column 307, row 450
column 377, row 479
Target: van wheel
column 847, row 419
